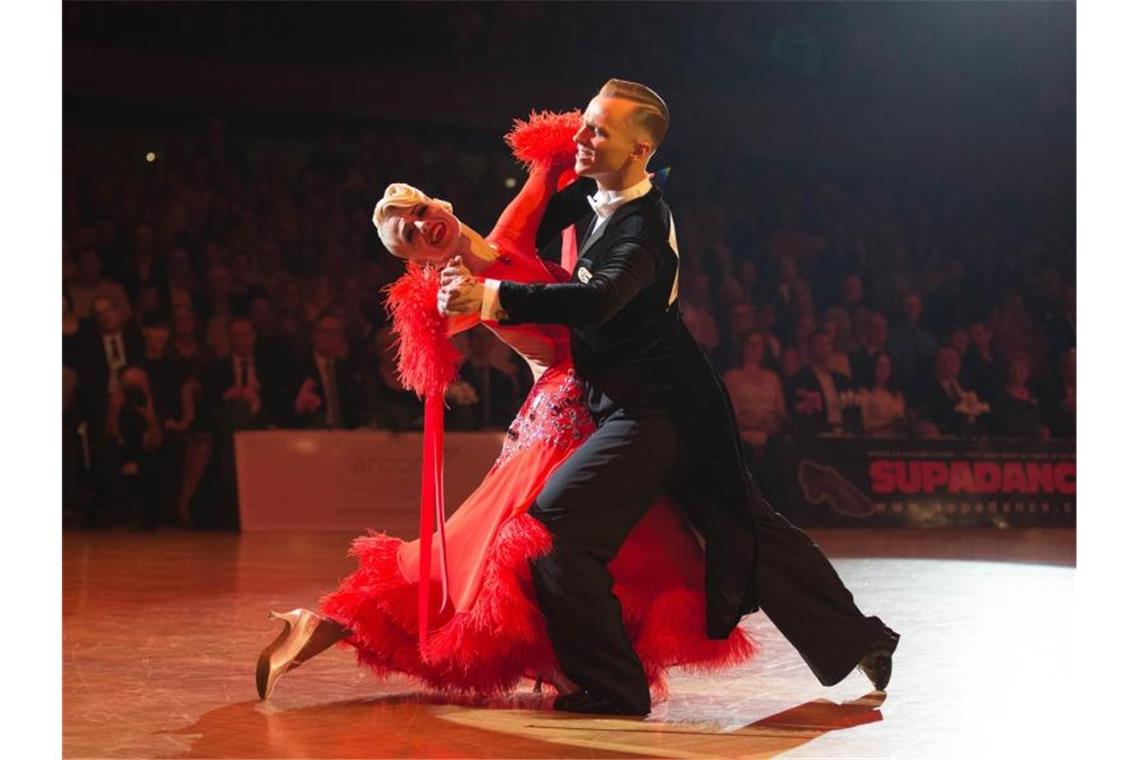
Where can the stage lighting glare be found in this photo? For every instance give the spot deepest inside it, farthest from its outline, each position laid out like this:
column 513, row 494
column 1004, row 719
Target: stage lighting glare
column 511, row 182
column 150, row 157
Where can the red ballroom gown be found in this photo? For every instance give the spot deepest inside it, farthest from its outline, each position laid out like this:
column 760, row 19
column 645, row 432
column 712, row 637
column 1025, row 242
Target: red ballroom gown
column 491, row 633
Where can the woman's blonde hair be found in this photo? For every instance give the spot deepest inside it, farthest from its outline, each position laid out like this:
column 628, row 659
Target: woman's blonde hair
column 400, row 196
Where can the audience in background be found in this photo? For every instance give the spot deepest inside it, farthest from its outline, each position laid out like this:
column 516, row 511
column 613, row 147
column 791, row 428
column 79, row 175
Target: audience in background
column 910, row 344
column 258, row 298
column 1017, row 411
column 814, row 393
column 757, row 393
column 882, row 406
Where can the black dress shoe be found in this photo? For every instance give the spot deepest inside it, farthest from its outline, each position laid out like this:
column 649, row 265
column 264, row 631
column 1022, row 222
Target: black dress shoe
column 593, row 703
column 877, row 667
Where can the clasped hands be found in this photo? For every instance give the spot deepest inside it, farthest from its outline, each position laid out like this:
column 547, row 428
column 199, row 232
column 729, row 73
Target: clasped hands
column 459, row 292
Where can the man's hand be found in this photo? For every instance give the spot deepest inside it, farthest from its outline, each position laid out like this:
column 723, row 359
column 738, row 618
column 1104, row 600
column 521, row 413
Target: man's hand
column 308, row 400
column 459, row 292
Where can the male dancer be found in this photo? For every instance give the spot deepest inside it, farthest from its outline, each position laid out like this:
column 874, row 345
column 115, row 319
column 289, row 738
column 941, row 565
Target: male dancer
column 664, row 422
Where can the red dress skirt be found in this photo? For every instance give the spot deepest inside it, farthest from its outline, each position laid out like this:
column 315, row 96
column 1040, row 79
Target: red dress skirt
column 491, row 633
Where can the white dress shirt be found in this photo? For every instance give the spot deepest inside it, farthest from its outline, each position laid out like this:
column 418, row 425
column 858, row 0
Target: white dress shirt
column 116, row 354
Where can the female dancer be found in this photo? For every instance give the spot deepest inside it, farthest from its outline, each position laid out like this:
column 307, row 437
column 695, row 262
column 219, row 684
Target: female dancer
column 485, row 631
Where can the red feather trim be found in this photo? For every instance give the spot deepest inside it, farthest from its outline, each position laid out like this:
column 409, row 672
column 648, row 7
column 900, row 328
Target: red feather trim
column 427, row 361
column 545, row 140
column 503, row 637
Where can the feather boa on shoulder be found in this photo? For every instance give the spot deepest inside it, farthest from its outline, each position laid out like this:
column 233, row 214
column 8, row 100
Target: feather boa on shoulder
column 427, row 361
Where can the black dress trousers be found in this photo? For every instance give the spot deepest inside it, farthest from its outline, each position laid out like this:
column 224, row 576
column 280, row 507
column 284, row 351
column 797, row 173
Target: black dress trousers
column 590, row 504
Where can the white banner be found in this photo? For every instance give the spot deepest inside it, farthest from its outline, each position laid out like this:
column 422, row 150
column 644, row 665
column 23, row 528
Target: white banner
column 333, row 480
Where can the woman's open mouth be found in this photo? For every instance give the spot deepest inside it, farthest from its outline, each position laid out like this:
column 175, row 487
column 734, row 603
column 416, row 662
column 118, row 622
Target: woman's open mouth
column 437, row 233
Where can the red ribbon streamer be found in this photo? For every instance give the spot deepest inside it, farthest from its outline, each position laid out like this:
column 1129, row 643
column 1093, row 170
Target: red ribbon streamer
column 432, row 514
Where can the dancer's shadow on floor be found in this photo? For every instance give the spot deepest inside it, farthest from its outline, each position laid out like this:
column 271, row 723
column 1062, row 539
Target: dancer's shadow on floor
column 520, row 725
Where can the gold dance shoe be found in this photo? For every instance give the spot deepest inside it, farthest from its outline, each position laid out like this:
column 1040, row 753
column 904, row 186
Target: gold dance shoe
column 277, row 658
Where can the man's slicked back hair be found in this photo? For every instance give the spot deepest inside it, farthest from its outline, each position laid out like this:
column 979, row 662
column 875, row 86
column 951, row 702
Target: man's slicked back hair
column 651, row 113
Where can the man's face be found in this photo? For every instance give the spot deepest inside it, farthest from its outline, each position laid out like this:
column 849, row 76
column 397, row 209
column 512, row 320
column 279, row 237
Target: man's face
column 852, row 290
column 178, row 262
column 960, row 340
column 821, row 349
column 220, row 283
column 606, row 139
column 155, row 338
column 328, row 337
column 743, row 318
column 242, row 338
column 981, row 336
column 912, row 307
column 947, row 364
column 90, row 268
column 877, row 330
column 106, row 315
column 261, row 314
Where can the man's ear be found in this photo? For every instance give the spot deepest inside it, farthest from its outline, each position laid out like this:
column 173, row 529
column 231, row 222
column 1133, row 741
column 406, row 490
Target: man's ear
column 642, row 150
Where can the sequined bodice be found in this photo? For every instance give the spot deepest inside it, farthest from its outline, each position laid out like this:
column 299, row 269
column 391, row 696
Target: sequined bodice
column 554, row 414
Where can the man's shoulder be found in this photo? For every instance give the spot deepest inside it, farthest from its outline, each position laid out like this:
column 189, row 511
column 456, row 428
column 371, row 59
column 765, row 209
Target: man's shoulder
column 646, row 218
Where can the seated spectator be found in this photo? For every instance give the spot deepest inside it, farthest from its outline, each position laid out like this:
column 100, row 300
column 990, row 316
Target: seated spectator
column 1061, row 323
column 144, row 267
column 325, row 395
column 791, row 362
column 979, row 366
column 162, row 372
column 113, row 344
column 1063, row 412
column 497, row 393
column 839, row 361
column 813, row 392
column 387, row 404
column 945, row 401
column 1012, row 325
column 245, row 284
column 806, row 326
column 71, row 333
column 221, row 306
column 190, row 430
column 1017, row 412
column 135, row 436
column 874, row 343
column 247, row 389
column 186, row 346
column 90, row 284
column 883, row 406
column 741, row 323
column 757, row 393
column 960, row 340
column 264, row 320
column 181, row 286
column 696, row 312
column 910, row 344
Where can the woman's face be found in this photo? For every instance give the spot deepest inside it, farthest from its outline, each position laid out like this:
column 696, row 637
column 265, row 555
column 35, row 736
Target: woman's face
column 424, row 232
column 882, row 369
column 182, row 322
column 1018, row 371
column 753, row 352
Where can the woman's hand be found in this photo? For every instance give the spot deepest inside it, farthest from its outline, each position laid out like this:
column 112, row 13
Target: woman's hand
column 459, row 292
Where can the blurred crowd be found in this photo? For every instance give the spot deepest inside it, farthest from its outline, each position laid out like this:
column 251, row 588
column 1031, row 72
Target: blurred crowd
column 207, row 289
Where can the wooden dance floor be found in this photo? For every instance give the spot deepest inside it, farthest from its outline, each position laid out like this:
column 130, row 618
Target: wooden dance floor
column 161, row 631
